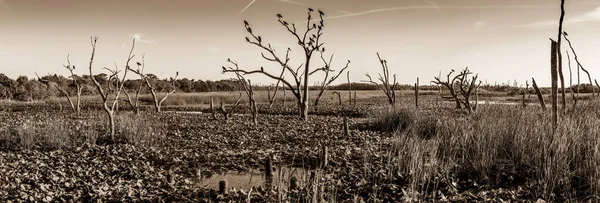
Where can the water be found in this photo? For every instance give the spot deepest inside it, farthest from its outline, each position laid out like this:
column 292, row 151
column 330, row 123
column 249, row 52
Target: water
column 247, row 180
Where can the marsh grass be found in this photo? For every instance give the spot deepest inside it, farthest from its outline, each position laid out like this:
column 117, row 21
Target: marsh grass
column 498, row 147
column 47, row 131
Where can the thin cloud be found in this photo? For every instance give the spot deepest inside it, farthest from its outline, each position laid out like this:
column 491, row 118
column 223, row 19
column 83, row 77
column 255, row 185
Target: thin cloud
column 480, row 24
column 590, row 16
column 432, row 6
column 248, row 6
column 293, row 2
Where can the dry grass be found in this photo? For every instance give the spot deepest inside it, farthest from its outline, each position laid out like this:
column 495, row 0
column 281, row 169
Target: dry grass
column 502, row 147
column 50, row 132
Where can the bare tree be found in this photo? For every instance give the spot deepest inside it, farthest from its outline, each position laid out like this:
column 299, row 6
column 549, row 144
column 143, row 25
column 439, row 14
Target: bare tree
column 326, row 80
column 450, row 85
column 134, row 102
column 109, row 107
column 309, row 41
column 467, row 87
column 60, row 89
column 157, row 100
column 247, row 84
column 74, row 77
column 385, row 86
column 579, row 65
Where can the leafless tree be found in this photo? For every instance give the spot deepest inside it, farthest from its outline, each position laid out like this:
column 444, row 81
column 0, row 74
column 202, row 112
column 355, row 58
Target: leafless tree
column 247, row 84
column 579, row 65
column 309, row 41
column 60, row 89
column 385, row 86
column 157, row 100
column 109, row 106
column 75, row 78
column 134, row 101
column 326, row 80
column 467, row 87
column 450, row 85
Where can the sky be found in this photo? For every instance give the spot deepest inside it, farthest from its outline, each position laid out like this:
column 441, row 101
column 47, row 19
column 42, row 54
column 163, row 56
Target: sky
column 502, row 40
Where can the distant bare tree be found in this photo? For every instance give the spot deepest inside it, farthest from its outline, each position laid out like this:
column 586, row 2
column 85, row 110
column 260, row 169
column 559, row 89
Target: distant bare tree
column 134, row 102
column 579, row 65
column 309, row 41
column 74, row 77
column 247, row 84
column 450, row 85
column 109, row 107
column 157, row 100
column 75, row 106
column 467, row 87
column 326, row 80
column 385, row 86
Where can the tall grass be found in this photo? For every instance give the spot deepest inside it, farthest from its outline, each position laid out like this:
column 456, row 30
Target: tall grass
column 502, row 147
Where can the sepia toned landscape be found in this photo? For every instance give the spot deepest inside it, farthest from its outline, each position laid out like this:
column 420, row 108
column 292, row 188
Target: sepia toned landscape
column 272, row 107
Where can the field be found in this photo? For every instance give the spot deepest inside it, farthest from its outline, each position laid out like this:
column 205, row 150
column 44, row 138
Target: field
column 433, row 153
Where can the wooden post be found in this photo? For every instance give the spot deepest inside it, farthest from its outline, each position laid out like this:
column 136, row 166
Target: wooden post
column 554, row 74
column 417, row 93
column 268, row 168
column 346, row 128
column 223, row 187
column 212, row 109
column 324, row 156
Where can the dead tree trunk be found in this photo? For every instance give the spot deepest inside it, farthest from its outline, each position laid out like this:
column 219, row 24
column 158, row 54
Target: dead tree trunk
column 554, row 74
column 539, row 94
column 559, row 57
column 417, row 93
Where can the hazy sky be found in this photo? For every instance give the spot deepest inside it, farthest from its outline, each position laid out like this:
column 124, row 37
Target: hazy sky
column 500, row 39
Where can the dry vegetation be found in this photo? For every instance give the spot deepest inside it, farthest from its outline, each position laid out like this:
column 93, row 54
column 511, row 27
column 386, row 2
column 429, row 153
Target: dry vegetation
column 430, row 145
